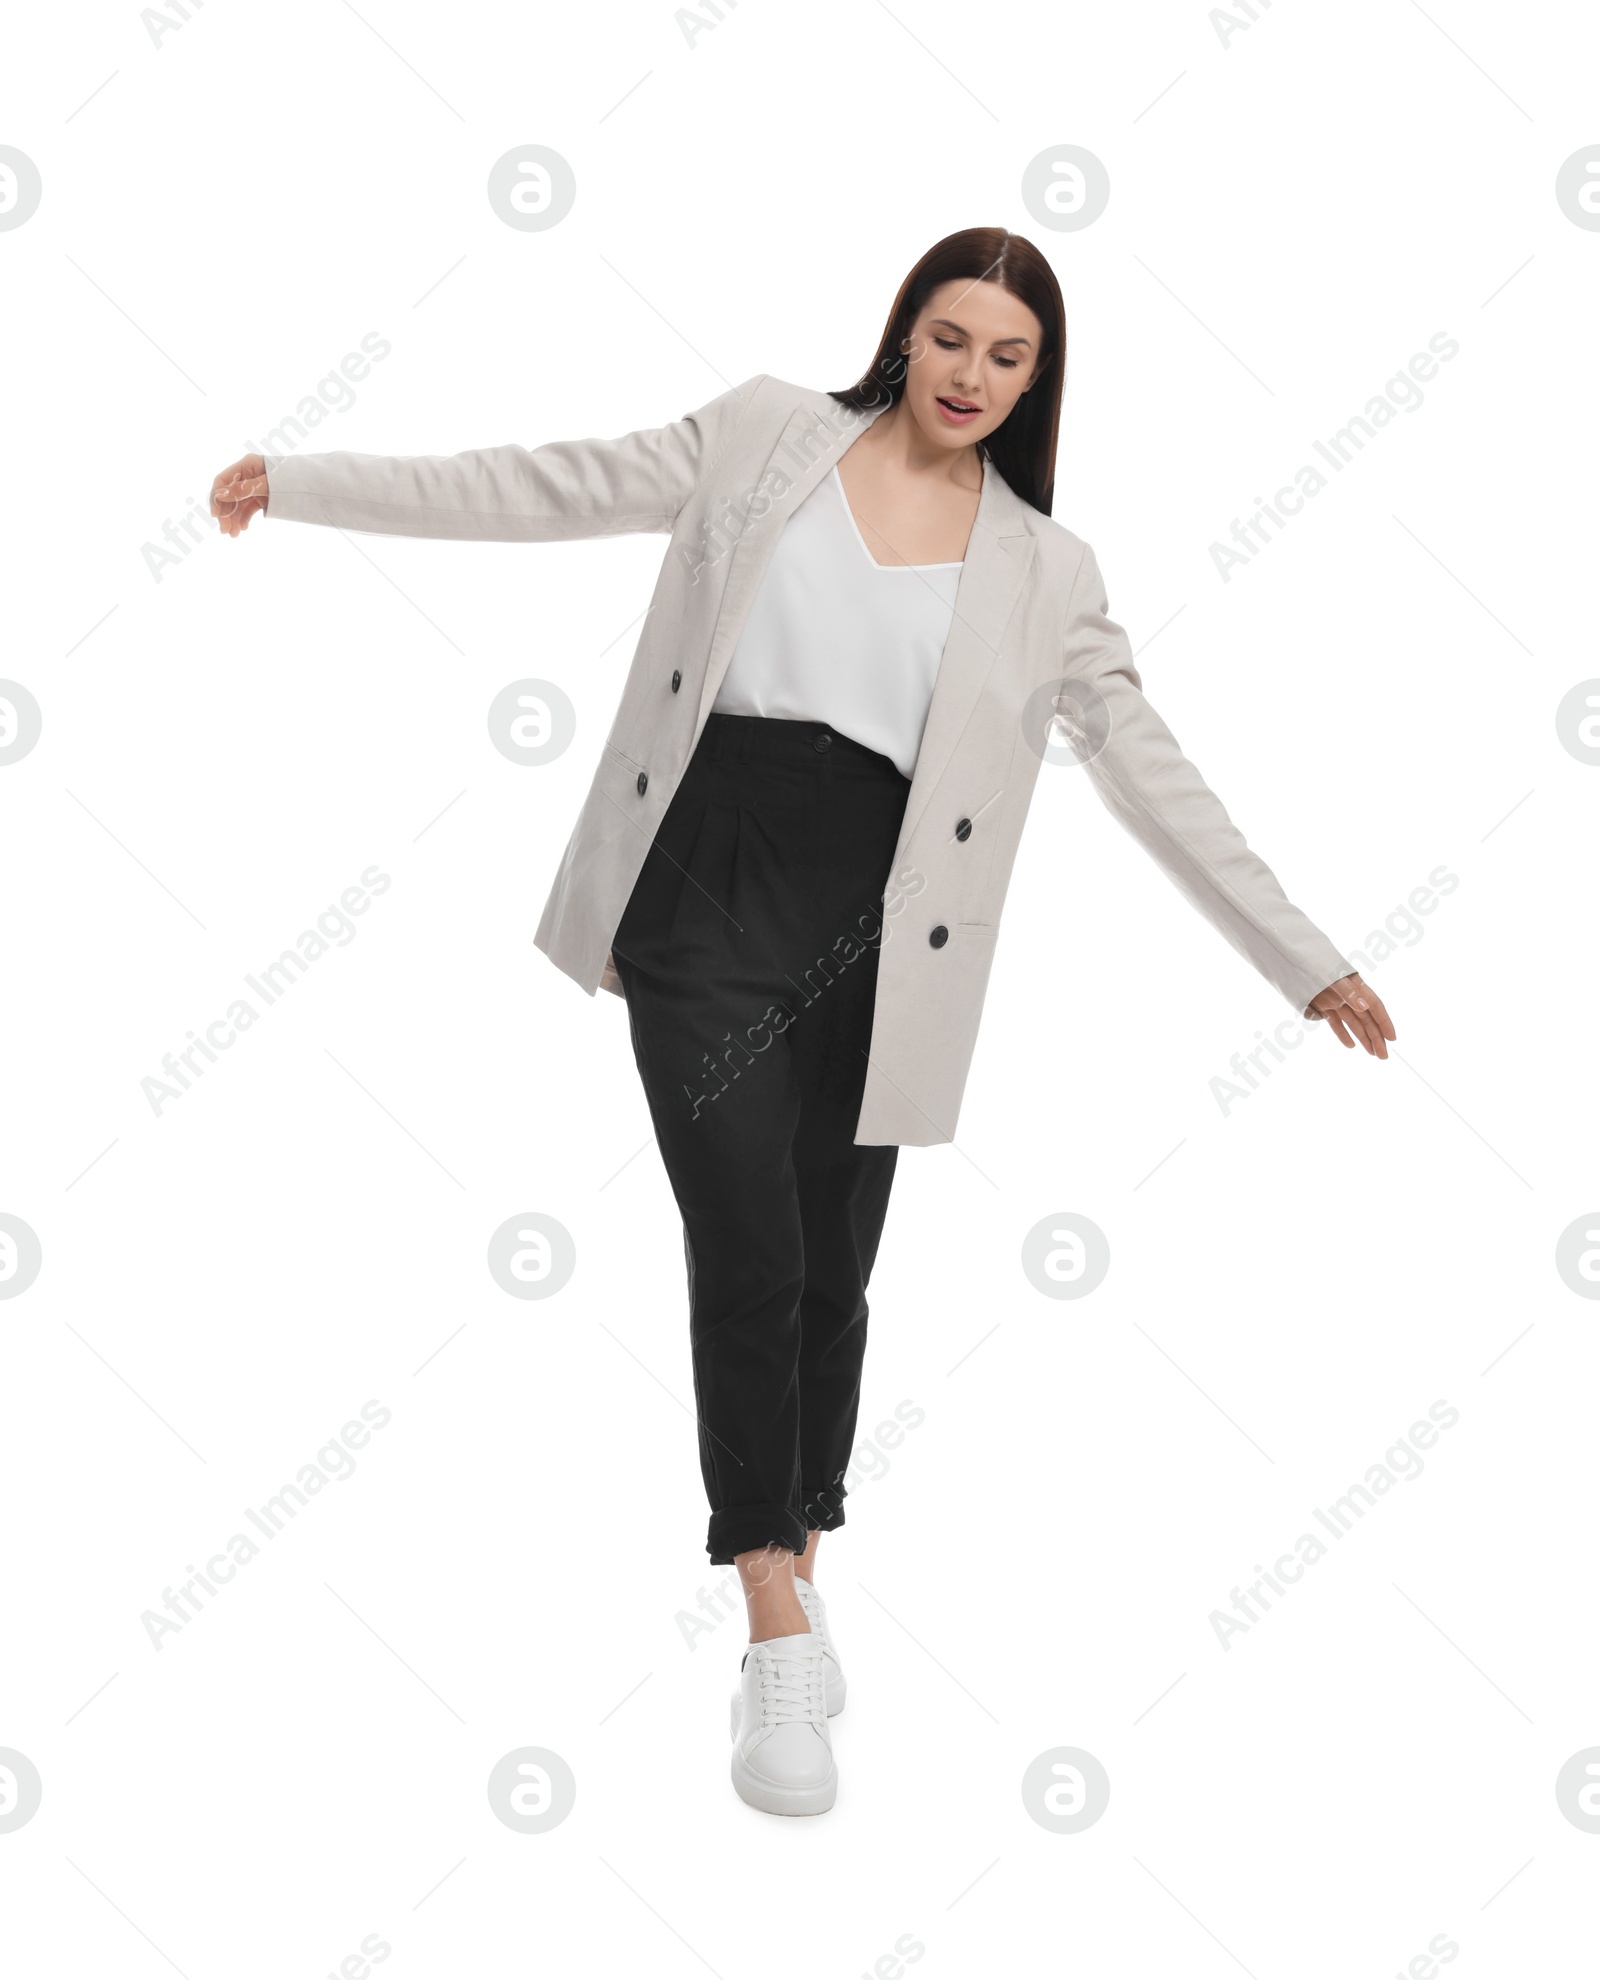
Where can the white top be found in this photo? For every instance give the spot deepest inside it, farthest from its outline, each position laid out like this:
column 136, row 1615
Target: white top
column 834, row 636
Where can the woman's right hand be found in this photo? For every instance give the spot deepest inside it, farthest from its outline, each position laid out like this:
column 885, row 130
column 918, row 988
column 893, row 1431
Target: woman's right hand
column 238, row 492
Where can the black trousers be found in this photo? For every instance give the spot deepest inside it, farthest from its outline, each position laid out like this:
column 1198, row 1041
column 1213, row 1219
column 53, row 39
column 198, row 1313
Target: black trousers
column 748, row 954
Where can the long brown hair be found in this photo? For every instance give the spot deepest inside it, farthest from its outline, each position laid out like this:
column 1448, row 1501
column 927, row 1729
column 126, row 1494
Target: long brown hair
column 1023, row 448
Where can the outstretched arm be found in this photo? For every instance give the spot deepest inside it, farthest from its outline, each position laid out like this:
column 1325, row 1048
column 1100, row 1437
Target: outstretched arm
column 1145, row 779
column 554, row 493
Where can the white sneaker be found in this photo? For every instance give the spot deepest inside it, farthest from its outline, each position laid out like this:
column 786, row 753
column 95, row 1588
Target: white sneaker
column 817, row 1616
column 782, row 1752
column 832, row 1670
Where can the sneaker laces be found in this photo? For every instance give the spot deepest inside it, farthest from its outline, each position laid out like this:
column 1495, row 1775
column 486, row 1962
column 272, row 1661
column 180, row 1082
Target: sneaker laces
column 791, row 1686
column 816, row 1616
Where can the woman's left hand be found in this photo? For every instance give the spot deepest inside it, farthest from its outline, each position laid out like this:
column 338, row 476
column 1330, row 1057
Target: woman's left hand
column 1356, row 1013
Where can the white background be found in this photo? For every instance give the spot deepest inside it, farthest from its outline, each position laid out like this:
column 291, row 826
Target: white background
column 226, row 213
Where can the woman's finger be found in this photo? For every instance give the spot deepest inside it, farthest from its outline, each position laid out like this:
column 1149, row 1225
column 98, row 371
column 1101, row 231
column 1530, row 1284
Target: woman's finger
column 1365, row 998
column 1335, row 1020
column 1384, row 1022
column 244, row 480
column 223, row 483
column 244, row 488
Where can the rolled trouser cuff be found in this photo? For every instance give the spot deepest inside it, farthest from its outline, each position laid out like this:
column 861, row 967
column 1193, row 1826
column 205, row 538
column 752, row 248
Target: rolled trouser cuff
column 741, row 1529
column 823, row 1508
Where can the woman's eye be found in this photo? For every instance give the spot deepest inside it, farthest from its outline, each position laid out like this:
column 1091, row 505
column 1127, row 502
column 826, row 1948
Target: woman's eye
column 949, row 344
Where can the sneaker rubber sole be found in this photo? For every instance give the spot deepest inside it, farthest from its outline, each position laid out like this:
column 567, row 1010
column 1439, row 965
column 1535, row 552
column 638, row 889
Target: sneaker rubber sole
column 774, row 1800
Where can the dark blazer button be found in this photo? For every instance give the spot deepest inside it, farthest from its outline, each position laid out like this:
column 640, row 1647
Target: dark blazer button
column 677, row 680
column 939, row 936
column 643, row 780
column 824, row 741
column 964, row 829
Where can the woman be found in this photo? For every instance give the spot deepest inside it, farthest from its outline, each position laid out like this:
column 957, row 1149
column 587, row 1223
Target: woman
column 882, row 634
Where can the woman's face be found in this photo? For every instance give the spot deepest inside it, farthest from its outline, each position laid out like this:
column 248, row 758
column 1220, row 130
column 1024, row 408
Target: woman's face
column 973, row 345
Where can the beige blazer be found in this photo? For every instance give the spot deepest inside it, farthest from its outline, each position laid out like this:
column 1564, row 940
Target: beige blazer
column 1031, row 656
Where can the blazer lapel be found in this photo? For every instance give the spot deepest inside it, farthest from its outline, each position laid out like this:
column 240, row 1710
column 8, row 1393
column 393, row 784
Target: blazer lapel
column 806, row 449
column 999, row 556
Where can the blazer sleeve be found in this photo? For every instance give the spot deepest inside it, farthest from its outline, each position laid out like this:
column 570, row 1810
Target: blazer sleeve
column 554, row 493
column 1152, row 788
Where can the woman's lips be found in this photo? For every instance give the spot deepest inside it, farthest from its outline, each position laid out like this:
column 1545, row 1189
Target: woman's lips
column 948, row 411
